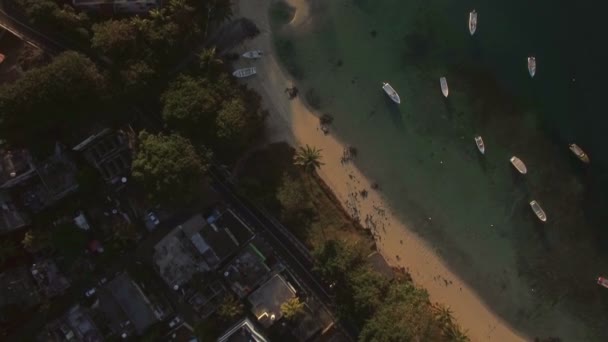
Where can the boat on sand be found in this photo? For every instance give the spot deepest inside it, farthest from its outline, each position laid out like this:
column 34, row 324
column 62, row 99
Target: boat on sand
column 579, row 153
column 472, row 22
column 519, row 165
column 444, row 86
column 532, row 66
column 245, row 72
column 540, row 213
column 602, row 281
column 388, row 89
column 480, row 145
column 253, row 54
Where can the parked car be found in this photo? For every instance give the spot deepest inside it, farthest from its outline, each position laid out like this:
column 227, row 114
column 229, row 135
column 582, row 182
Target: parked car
column 90, row 292
column 152, row 217
column 174, row 322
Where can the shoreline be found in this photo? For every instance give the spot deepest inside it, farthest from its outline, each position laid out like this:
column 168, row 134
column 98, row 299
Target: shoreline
column 296, row 123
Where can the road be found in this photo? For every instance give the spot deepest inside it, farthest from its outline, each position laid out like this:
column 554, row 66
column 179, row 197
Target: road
column 30, row 35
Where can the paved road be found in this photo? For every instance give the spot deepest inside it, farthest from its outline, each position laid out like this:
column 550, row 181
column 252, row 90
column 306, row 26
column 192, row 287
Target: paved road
column 30, row 35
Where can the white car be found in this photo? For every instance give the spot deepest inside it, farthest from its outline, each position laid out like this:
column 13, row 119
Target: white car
column 174, row 322
column 152, row 217
column 90, row 292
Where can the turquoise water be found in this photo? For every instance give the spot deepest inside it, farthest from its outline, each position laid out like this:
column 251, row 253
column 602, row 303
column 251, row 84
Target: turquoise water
column 539, row 277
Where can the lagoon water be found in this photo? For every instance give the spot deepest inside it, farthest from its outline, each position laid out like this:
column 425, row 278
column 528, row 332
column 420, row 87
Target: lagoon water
column 539, row 277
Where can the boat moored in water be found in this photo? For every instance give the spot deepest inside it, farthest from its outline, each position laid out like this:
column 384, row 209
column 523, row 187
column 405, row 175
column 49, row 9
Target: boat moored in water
column 253, row 54
column 602, row 281
column 444, row 86
column 480, row 145
column 538, row 211
column 532, row 66
column 472, row 22
column 519, row 165
column 245, row 72
column 388, row 89
column 579, row 153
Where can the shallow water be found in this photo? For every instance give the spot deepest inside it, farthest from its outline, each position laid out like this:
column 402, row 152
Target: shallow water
column 539, row 277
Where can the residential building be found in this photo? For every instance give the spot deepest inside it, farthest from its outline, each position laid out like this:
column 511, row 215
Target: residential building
column 37, row 184
column 243, row 331
column 109, row 151
column 206, row 299
column 117, row 6
column 199, row 245
column 11, row 217
column 266, row 301
column 75, row 325
column 246, row 271
column 127, row 309
column 50, row 281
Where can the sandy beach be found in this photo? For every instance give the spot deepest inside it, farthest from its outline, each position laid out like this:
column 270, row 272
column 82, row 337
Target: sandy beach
column 293, row 121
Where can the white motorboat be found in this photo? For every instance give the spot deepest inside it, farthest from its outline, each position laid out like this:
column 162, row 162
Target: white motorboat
column 245, row 72
column 519, row 165
column 473, row 22
column 602, row 281
column 540, row 213
column 391, row 92
column 579, row 153
column 480, row 145
column 444, row 86
column 532, row 66
column 253, row 54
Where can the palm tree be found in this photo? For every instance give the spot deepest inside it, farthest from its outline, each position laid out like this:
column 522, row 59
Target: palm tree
column 443, row 315
column 309, row 158
column 209, row 61
column 292, row 308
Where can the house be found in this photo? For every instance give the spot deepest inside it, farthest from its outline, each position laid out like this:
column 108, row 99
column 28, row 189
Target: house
column 75, row 325
column 206, row 299
column 117, row 6
column 266, row 301
column 127, row 309
column 49, row 280
column 11, row 217
column 243, row 331
column 199, row 245
column 246, row 271
column 37, row 184
column 109, row 151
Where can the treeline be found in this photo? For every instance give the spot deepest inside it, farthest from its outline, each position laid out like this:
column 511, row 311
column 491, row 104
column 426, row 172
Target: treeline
column 202, row 113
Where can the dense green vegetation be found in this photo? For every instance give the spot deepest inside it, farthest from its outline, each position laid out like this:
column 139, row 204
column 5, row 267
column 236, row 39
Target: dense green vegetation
column 169, row 169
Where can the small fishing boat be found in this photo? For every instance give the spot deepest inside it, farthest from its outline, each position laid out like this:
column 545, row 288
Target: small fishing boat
column 532, row 66
column 472, row 22
column 480, row 145
column 579, row 153
column 2, row 57
column 391, row 92
column 602, row 281
column 540, row 213
column 444, row 86
column 253, row 54
column 519, row 165
column 245, row 72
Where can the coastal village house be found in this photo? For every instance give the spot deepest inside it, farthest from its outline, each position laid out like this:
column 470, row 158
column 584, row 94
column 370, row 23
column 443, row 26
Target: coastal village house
column 116, row 6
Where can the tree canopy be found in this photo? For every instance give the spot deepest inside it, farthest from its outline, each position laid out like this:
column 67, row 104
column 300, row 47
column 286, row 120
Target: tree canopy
column 56, row 96
column 309, row 158
column 292, row 308
column 168, row 168
column 116, row 39
column 291, row 195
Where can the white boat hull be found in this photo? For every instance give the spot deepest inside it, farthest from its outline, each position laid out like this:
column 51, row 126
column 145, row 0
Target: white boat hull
column 254, row 54
column 538, row 211
column 532, row 66
column 472, row 22
column 480, row 145
column 444, row 86
column 388, row 89
column 245, row 72
column 519, row 165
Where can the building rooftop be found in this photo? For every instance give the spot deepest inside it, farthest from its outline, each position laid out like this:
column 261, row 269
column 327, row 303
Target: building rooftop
column 75, row 325
column 199, row 245
column 132, row 301
column 246, row 271
column 11, row 217
column 48, row 278
column 243, row 331
column 15, row 165
column 266, row 301
column 18, row 288
column 206, row 300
